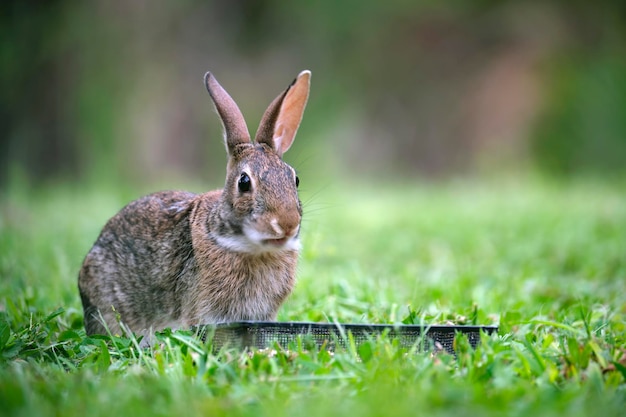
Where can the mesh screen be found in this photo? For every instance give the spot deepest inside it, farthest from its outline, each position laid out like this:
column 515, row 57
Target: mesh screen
column 262, row 335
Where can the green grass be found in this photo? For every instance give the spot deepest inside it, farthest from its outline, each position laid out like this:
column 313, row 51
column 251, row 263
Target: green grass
column 546, row 262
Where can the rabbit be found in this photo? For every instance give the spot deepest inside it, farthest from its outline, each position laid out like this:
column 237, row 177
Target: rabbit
column 178, row 259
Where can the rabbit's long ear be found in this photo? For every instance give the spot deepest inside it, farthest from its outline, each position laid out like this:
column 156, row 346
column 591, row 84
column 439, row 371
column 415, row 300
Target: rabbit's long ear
column 235, row 128
column 281, row 119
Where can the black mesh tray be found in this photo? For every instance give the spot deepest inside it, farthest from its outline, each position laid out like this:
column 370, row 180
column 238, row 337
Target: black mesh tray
column 263, row 335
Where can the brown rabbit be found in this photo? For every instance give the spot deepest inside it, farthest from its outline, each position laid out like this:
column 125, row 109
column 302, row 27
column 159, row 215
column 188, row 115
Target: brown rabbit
column 177, row 259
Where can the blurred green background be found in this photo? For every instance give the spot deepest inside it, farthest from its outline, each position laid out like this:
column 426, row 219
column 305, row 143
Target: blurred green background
column 112, row 91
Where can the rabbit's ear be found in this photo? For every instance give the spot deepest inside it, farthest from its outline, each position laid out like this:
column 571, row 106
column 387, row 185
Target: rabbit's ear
column 281, row 119
column 235, row 128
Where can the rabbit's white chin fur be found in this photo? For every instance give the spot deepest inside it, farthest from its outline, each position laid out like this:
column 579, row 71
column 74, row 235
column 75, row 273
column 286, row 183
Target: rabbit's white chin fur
column 254, row 242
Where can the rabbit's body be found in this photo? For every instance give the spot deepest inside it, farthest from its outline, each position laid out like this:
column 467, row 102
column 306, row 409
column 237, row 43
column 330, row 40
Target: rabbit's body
column 190, row 281
column 178, row 259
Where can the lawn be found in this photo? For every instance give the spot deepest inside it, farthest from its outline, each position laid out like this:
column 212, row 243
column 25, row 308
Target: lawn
column 546, row 261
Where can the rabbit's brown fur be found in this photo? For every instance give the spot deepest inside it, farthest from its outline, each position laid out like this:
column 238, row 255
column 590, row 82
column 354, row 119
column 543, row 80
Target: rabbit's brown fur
column 177, row 259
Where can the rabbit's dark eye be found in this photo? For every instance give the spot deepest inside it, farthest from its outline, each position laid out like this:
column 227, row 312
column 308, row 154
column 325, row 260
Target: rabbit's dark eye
column 297, row 181
column 244, row 183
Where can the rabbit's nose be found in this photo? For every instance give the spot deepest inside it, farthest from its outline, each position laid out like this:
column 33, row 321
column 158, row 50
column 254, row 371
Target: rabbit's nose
column 291, row 224
column 291, row 231
column 286, row 226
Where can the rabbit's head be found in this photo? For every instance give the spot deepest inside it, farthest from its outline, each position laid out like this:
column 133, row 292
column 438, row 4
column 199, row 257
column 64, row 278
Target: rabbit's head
column 259, row 209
